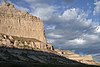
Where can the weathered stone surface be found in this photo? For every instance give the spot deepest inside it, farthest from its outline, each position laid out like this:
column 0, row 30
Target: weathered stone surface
column 50, row 47
column 32, row 44
column 22, row 43
column 16, row 43
column 5, row 37
column 0, row 43
column 73, row 56
column 24, row 31
column 6, row 41
column 1, row 37
column 11, row 38
column 19, row 23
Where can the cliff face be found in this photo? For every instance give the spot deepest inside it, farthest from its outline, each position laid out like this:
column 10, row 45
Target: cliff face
column 18, row 29
column 19, row 23
column 87, row 59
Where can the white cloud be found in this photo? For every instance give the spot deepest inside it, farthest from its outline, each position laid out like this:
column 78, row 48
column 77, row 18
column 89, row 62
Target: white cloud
column 83, row 21
column 69, row 14
column 96, row 54
column 77, row 41
column 75, row 22
column 97, row 8
column 97, row 29
column 51, row 27
column 50, row 40
column 76, row 16
column 66, row 27
column 45, row 13
column 90, row 37
column 54, row 35
column 85, row 40
column 42, row 9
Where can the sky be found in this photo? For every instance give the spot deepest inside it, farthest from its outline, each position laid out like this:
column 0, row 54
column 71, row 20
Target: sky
column 69, row 24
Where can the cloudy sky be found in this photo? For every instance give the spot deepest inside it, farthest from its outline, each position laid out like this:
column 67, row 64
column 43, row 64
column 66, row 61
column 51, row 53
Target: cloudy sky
column 69, row 24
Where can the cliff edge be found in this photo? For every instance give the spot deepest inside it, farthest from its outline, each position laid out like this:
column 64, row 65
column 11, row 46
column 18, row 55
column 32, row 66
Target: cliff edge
column 21, row 24
column 20, row 30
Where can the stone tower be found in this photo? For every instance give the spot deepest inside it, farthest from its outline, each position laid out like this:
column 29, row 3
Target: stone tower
column 21, row 24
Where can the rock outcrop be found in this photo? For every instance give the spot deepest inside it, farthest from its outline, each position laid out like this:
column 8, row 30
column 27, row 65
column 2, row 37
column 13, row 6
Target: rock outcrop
column 87, row 59
column 50, row 47
column 20, row 30
column 22, row 43
column 32, row 56
column 21, row 24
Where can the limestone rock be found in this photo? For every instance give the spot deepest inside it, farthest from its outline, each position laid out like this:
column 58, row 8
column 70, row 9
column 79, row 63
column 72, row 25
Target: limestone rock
column 1, row 37
column 5, row 37
column 6, row 42
column 18, row 23
column 11, row 38
column 7, row 4
column 32, row 44
column 0, row 43
column 16, row 43
column 25, row 43
column 50, row 47
column 73, row 56
column 28, row 33
column 21, row 44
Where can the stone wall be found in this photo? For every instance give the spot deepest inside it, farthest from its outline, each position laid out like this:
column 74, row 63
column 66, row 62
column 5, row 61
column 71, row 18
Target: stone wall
column 19, row 23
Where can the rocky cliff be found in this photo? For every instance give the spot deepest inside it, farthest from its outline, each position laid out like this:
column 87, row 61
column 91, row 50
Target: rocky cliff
column 87, row 59
column 21, row 24
column 22, row 32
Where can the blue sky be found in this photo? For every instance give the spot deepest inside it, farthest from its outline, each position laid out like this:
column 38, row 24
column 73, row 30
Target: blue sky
column 69, row 24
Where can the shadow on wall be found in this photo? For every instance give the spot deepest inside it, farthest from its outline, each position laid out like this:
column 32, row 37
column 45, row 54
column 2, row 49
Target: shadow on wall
column 13, row 57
